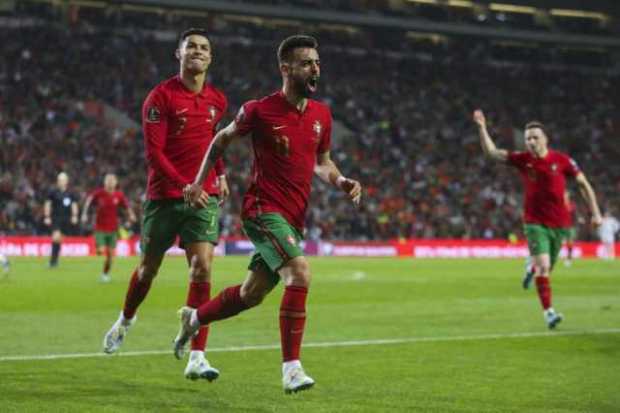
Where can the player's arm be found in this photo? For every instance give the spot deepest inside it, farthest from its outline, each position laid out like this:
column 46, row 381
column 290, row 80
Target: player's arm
column 155, row 129
column 47, row 212
column 327, row 170
column 193, row 193
column 488, row 146
column 87, row 203
column 220, row 172
column 590, row 197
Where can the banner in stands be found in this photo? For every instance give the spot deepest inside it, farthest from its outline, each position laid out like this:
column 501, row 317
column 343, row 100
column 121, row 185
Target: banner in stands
column 437, row 248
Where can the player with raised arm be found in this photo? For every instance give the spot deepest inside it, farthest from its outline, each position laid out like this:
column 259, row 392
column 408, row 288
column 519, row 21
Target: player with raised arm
column 291, row 136
column 179, row 119
column 107, row 200
column 60, row 213
column 543, row 172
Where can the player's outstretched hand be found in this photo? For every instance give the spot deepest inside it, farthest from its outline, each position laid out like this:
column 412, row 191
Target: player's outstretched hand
column 195, row 196
column 224, row 189
column 479, row 118
column 47, row 221
column 597, row 220
column 353, row 188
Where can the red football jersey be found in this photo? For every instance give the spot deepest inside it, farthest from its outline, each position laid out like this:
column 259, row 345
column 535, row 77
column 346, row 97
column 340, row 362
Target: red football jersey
column 545, row 183
column 179, row 126
column 108, row 203
column 286, row 143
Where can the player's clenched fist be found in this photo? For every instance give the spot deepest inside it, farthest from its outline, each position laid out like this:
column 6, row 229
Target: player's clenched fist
column 479, row 118
column 195, row 196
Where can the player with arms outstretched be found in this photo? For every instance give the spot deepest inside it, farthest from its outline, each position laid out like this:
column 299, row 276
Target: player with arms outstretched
column 291, row 136
column 543, row 172
column 108, row 200
column 179, row 119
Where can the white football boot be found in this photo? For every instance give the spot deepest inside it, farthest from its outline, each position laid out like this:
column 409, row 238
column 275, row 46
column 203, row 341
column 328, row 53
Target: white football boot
column 115, row 336
column 198, row 367
column 294, row 378
column 188, row 329
column 552, row 318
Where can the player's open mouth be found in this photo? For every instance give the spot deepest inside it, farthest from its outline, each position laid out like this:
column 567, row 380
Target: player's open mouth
column 312, row 84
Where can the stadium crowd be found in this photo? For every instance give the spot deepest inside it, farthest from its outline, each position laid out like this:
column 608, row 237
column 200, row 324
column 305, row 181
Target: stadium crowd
column 404, row 110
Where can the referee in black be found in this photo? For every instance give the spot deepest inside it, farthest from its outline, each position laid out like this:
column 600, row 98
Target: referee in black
column 60, row 213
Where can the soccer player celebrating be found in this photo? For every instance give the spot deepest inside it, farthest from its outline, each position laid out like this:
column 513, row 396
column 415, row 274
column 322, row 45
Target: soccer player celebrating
column 179, row 119
column 108, row 200
column 291, row 136
column 60, row 213
column 544, row 172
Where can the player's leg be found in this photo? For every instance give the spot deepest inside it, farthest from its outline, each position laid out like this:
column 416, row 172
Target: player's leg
column 296, row 276
column 570, row 241
column 529, row 272
column 228, row 303
column 539, row 244
column 100, row 248
column 110, row 250
column 278, row 244
column 199, row 236
column 199, row 258
column 56, row 247
column 158, row 234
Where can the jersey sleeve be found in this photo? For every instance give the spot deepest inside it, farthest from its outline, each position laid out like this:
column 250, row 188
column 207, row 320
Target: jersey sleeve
column 516, row 159
column 246, row 118
column 155, row 128
column 326, row 137
column 571, row 168
column 219, row 167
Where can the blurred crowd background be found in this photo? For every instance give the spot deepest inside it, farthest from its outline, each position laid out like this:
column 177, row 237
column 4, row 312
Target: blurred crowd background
column 72, row 81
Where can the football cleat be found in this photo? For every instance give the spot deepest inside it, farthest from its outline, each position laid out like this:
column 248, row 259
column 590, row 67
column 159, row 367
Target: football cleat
column 553, row 319
column 295, row 380
column 186, row 331
column 104, row 278
column 115, row 336
column 198, row 367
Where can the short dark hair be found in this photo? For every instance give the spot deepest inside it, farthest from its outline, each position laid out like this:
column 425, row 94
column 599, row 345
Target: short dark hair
column 191, row 31
column 536, row 124
column 288, row 45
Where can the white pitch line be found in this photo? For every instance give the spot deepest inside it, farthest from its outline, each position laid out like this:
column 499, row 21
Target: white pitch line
column 377, row 342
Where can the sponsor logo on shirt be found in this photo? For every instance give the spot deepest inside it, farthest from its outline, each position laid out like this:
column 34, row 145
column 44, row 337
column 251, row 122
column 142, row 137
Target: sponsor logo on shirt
column 317, row 128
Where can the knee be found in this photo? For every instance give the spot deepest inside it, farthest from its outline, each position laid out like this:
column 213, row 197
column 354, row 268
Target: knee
column 543, row 270
column 200, row 271
column 147, row 272
column 300, row 275
column 252, row 296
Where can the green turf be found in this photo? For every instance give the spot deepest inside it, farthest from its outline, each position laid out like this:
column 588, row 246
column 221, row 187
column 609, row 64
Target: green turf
column 576, row 369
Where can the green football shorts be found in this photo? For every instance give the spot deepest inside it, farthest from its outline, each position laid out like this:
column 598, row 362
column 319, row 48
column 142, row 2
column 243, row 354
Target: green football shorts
column 276, row 242
column 105, row 239
column 166, row 219
column 545, row 240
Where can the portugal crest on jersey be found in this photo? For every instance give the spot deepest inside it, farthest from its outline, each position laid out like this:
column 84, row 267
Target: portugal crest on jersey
column 212, row 114
column 317, row 128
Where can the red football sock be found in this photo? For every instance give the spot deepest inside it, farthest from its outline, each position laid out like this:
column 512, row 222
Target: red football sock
column 227, row 304
column 544, row 291
column 570, row 251
column 198, row 294
column 138, row 289
column 292, row 321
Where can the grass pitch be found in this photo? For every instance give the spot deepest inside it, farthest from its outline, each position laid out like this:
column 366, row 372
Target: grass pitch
column 383, row 335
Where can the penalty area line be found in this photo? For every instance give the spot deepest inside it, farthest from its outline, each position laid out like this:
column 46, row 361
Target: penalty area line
column 351, row 343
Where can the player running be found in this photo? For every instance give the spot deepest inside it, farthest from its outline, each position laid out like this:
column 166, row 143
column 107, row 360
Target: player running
column 544, row 172
column 291, row 136
column 108, row 200
column 179, row 119
column 60, row 213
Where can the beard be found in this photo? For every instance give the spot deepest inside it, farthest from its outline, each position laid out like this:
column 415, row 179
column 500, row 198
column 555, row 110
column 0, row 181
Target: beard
column 306, row 87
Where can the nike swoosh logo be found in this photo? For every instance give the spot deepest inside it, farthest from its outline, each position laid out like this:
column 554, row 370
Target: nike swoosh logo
column 181, row 111
column 279, row 127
